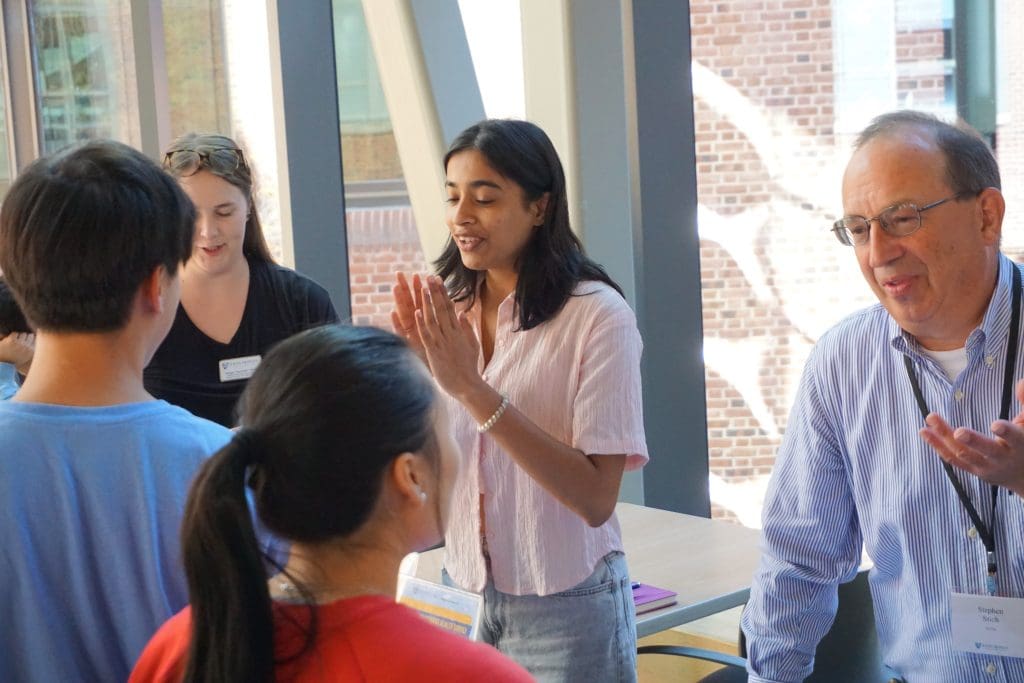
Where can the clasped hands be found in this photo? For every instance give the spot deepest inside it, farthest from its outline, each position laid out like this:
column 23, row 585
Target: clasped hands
column 998, row 460
column 425, row 316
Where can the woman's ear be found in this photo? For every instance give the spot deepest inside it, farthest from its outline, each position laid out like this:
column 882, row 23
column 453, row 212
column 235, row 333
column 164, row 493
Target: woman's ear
column 409, row 474
column 539, row 209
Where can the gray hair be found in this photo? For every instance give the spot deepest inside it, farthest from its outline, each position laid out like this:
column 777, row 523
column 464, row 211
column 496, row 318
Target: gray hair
column 970, row 164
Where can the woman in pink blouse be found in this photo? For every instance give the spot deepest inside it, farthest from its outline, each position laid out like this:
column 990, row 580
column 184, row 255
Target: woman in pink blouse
column 539, row 356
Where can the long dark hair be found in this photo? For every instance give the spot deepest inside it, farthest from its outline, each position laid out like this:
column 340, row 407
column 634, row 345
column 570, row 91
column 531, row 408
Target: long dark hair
column 553, row 261
column 324, row 414
column 206, row 152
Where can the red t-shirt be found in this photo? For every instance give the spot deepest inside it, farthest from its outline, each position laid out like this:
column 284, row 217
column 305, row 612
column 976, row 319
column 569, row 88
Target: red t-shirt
column 367, row 638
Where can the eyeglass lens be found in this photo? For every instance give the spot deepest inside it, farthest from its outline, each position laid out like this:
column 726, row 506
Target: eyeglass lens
column 898, row 221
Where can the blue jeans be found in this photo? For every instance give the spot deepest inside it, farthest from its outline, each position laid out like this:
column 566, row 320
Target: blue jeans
column 585, row 634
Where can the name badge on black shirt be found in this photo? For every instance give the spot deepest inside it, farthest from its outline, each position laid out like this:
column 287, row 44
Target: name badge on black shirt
column 234, row 369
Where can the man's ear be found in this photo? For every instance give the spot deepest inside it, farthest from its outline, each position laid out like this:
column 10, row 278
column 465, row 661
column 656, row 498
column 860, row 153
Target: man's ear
column 151, row 292
column 992, row 207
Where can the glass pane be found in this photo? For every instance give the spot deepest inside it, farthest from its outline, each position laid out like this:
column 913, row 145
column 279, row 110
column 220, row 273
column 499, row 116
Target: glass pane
column 5, row 152
column 85, row 77
column 218, row 78
column 196, row 66
column 382, row 235
column 778, row 96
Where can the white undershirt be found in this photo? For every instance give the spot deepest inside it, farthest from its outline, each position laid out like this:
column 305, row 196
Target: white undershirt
column 952, row 362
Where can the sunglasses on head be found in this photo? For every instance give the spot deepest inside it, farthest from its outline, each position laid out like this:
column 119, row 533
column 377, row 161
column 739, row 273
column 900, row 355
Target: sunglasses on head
column 186, row 162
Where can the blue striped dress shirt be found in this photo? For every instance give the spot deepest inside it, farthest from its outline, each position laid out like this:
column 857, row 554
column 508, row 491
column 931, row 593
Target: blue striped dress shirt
column 853, row 470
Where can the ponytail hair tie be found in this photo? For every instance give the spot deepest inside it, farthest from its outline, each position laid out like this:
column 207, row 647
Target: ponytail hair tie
column 250, row 446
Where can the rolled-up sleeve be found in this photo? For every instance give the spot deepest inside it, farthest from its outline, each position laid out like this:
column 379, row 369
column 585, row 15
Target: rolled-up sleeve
column 608, row 406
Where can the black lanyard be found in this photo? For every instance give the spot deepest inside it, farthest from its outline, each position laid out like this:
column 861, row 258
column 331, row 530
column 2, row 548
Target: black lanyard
column 988, row 535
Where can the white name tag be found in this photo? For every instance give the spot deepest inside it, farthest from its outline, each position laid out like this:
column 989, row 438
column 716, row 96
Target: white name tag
column 232, row 369
column 984, row 624
column 452, row 609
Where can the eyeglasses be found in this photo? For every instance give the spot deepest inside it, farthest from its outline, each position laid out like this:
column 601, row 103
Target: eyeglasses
column 186, row 162
column 899, row 220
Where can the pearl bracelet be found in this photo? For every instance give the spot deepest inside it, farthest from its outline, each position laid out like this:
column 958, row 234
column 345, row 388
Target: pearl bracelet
column 494, row 418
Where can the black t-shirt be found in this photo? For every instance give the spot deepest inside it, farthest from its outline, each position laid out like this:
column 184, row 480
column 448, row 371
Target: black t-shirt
column 187, row 368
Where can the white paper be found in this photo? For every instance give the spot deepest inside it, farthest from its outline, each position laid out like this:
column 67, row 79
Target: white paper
column 984, row 624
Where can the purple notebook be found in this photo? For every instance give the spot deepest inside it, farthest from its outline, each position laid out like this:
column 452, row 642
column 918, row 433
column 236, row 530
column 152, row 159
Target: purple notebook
column 648, row 598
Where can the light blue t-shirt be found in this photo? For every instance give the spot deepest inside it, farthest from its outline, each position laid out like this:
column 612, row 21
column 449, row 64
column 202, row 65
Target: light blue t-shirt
column 90, row 565
column 8, row 381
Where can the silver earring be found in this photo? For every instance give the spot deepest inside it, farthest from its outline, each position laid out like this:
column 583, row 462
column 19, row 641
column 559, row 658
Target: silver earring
column 423, row 495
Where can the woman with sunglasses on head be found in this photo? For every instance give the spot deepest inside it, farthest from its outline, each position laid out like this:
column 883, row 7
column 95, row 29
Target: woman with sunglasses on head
column 539, row 355
column 235, row 301
column 348, row 454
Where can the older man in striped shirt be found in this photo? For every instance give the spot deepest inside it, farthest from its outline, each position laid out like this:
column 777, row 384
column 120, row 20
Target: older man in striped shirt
column 907, row 436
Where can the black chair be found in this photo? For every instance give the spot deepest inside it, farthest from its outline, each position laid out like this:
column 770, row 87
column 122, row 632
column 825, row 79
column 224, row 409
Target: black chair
column 847, row 654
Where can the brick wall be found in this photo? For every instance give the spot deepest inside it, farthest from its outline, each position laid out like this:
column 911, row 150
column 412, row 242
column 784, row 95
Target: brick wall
column 370, row 156
column 381, row 242
column 777, row 55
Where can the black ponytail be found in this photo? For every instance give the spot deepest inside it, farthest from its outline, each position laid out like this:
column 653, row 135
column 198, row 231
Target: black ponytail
column 232, row 624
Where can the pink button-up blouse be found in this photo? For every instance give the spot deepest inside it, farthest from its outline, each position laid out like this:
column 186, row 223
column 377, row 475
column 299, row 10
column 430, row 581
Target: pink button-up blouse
column 577, row 377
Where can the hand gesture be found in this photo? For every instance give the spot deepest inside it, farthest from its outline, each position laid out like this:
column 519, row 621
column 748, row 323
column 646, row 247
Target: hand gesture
column 998, row 460
column 451, row 346
column 408, row 299
column 17, row 348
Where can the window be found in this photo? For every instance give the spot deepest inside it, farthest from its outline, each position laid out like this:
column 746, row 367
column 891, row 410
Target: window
column 778, row 95
column 6, row 167
column 84, row 71
column 197, row 75
column 382, row 234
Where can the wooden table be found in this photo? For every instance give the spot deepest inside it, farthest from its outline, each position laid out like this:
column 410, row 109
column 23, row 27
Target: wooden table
column 709, row 563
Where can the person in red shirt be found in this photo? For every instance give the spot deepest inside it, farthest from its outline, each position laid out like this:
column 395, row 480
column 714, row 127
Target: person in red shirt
column 348, row 455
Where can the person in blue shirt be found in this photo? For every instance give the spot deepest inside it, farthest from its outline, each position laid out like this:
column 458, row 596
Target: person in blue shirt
column 94, row 471
column 906, row 436
column 16, row 343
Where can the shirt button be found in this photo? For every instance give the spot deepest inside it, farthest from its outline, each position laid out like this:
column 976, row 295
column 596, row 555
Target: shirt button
column 990, row 361
column 990, row 668
column 972, row 533
column 958, row 395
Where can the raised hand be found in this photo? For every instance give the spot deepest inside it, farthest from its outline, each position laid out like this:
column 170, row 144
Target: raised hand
column 451, row 346
column 17, row 348
column 998, row 460
column 408, row 299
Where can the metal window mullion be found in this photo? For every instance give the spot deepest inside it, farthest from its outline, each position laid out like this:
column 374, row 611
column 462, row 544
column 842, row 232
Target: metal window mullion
column 21, row 103
column 151, row 86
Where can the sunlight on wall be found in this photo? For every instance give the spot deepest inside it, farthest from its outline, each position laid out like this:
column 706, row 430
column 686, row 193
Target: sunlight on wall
column 247, row 50
column 494, row 33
